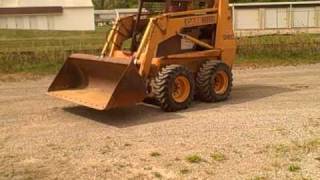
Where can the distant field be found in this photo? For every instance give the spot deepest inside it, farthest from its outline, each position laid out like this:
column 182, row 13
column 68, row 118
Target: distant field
column 279, row 50
column 43, row 52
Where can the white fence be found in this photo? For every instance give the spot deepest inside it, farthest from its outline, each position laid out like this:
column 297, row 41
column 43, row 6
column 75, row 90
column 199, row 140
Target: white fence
column 102, row 16
column 256, row 18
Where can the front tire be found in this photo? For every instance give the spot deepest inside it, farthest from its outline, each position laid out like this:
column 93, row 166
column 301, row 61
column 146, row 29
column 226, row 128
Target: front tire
column 174, row 88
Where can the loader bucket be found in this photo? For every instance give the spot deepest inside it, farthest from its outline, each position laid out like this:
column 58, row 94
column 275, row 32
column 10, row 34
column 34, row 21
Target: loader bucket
column 100, row 84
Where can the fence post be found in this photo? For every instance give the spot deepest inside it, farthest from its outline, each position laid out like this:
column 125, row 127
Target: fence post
column 317, row 16
column 290, row 17
column 233, row 17
column 262, row 17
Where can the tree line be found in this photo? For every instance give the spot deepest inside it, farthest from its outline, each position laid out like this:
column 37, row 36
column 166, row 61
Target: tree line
column 111, row 4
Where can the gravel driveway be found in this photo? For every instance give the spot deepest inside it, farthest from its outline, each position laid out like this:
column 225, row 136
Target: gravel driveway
column 269, row 129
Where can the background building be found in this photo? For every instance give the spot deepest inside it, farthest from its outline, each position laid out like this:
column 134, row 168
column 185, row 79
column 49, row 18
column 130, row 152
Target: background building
column 47, row 14
column 276, row 18
column 257, row 18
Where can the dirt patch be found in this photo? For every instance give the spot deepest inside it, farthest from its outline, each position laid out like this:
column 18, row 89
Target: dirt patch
column 269, row 129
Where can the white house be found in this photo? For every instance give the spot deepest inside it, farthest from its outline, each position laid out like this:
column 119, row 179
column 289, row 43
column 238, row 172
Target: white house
column 47, row 14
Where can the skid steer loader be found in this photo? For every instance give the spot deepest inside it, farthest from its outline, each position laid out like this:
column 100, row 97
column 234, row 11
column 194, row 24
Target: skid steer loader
column 170, row 51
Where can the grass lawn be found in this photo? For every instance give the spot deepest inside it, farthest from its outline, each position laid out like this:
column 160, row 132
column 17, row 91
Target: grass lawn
column 279, row 50
column 43, row 52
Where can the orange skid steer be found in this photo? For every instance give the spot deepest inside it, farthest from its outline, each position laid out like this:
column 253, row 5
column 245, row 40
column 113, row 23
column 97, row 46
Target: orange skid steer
column 170, row 51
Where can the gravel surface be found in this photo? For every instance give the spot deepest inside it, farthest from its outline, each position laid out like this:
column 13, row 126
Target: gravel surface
column 269, row 129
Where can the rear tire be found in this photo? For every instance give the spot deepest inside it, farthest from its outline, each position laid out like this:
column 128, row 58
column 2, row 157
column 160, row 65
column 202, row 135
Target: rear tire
column 174, row 88
column 214, row 81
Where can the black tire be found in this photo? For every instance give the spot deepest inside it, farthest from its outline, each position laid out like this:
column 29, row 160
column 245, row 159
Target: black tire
column 206, row 80
column 165, row 83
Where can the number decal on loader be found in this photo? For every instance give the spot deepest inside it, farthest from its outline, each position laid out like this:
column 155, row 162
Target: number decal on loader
column 228, row 37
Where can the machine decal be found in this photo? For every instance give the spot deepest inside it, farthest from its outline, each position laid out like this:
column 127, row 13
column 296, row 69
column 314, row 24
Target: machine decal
column 228, row 37
column 200, row 21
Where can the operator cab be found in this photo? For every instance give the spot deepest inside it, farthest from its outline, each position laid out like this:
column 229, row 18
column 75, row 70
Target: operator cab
column 149, row 8
column 164, row 6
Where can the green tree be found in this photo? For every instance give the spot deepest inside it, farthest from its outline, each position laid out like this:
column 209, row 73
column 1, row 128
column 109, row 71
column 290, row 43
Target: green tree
column 111, row 4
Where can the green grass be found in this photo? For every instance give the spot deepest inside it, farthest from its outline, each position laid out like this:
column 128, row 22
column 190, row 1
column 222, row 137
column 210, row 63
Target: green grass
column 157, row 175
column 294, row 168
column 279, row 50
column 290, row 154
column 155, row 154
column 185, row 171
column 194, row 159
column 259, row 178
column 310, row 146
column 22, row 40
column 295, row 149
column 217, row 156
column 281, row 149
column 43, row 52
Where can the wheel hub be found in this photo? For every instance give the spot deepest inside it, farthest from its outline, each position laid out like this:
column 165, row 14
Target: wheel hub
column 181, row 89
column 220, row 82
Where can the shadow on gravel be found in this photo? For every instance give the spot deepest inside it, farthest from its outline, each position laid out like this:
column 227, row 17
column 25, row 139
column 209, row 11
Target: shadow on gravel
column 243, row 94
column 125, row 117
column 143, row 114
